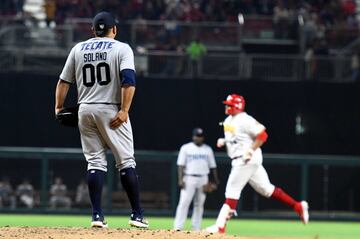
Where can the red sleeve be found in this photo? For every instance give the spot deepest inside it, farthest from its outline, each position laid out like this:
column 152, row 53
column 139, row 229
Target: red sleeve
column 262, row 136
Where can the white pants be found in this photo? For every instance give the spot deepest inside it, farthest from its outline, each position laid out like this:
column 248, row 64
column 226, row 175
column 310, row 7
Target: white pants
column 254, row 174
column 97, row 137
column 193, row 191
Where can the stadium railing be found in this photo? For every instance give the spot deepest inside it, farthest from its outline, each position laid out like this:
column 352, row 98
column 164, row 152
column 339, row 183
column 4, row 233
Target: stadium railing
column 160, row 50
column 224, row 35
column 221, row 36
column 220, row 66
column 216, row 35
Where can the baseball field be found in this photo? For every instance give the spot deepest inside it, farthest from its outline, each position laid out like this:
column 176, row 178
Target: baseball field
column 71, row 227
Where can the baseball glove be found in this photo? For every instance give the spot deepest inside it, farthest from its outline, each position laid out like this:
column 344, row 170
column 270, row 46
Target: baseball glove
column 68, row 116
column 209, row 187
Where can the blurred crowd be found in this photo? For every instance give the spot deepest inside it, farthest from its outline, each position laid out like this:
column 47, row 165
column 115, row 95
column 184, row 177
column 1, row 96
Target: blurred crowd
column 284, row 16
column 25, row 195
column 329, row 12
column 316, row 16
column 327, row 24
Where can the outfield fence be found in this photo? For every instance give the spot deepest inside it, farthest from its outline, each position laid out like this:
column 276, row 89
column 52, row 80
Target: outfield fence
column 325, row 181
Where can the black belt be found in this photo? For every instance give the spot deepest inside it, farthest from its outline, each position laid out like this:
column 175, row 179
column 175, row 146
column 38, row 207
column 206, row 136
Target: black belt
column 196, row 175
column 99, row 103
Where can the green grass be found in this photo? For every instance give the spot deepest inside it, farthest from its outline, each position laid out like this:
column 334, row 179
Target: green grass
column 260, row 228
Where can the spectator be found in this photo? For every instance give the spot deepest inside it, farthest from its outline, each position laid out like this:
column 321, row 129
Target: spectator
column 58, row 192
column 196, row 14
column 172, row 11
column 19, row 7
column 327, row 16
column 310, row 63
column 319, row 65
column 281, row 20
column 214, row 12
column 25, row 193
column 195, row 50
column 82, row 198
column 348, row 7
column 265, row 7
column 310, row 27
column 7, row 197
column 50, row 11
column 173, row 63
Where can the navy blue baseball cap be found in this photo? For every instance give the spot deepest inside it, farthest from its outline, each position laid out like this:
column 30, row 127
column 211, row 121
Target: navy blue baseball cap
column 102, row 22
column 199, row 132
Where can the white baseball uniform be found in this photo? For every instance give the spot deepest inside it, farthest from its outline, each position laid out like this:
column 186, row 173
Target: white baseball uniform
column 95, row 66
column 197, row 160
column 240, row 133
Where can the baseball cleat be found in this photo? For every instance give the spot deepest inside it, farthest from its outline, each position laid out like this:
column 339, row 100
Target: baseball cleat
column 98, row 222
column 138, row 222
column 302, row 209
column 215, row 229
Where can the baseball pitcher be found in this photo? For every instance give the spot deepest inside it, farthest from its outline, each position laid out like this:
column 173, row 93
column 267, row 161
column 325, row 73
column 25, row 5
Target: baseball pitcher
column 195, row 161
column 104, row 73
column 243, row 138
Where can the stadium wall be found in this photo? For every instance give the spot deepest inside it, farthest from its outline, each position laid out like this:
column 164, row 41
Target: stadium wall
column 165, row 110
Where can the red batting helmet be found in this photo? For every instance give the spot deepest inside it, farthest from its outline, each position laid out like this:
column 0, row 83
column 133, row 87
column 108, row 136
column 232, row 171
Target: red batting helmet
column 236, row 104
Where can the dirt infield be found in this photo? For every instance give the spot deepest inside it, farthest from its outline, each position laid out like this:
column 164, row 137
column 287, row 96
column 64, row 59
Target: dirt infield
column 88, row 233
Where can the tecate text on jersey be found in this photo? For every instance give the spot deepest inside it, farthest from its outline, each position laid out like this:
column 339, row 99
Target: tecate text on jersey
column 96, row 45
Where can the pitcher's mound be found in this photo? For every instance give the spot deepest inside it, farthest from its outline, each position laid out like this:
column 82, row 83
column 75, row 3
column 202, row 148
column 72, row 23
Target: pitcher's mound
column 92, row 233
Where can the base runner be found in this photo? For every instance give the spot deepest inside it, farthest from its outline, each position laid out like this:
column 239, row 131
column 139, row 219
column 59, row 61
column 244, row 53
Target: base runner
column 243, row 138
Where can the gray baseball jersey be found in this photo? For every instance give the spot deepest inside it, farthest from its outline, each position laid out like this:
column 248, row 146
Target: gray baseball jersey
column 95, row 65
